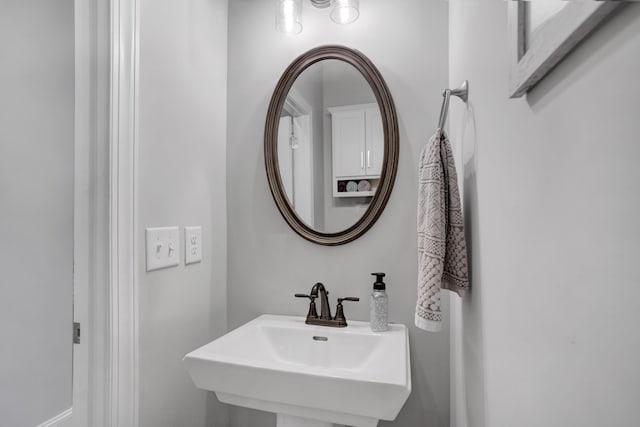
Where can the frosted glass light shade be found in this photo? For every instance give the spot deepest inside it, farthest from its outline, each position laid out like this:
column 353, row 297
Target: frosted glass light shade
column 289, row 16
column 345, row 11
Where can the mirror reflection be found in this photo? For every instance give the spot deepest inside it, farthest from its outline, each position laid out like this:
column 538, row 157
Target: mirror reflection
column 330, row 146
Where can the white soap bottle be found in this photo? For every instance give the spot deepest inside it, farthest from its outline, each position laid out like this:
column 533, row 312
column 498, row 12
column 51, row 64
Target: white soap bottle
column 379, row 308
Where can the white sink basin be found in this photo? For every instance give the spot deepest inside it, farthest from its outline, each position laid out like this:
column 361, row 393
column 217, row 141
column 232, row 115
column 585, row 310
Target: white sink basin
column 308, row 375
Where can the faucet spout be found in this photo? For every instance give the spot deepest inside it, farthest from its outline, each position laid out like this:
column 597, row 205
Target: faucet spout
column 325, row 309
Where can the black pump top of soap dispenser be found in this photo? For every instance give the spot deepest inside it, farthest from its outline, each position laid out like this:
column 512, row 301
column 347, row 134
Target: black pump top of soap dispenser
column 379, row 285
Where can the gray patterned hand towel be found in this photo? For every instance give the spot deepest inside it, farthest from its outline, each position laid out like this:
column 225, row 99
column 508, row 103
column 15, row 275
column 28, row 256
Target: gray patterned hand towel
column 442, row 249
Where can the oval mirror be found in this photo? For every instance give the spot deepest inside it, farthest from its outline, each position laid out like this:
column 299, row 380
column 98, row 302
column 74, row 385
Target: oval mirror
column 331, row 145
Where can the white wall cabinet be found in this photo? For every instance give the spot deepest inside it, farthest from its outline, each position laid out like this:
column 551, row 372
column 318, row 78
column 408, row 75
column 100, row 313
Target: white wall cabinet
column 357, row 142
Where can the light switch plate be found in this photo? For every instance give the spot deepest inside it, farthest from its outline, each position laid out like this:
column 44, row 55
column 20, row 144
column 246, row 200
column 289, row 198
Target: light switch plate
column 192, row 245
column 163, row 247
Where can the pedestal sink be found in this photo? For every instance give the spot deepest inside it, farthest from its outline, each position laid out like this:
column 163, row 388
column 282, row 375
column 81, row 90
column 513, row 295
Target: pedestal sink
column 311, row 376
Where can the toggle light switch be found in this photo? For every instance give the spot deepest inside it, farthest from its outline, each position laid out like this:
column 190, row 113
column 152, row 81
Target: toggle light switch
column 163, row 247
column 192, row 245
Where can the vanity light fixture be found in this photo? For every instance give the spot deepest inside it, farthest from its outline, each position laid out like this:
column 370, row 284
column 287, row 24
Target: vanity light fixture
column 289, row 13
column 345, row 11
column 320, row 4
column 289, row 16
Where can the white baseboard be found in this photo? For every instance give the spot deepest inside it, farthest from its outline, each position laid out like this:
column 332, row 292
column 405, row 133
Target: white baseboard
column 63, row 419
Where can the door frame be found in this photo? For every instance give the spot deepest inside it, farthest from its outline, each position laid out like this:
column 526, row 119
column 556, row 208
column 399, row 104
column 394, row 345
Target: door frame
column 302, row 111
column 105, row 366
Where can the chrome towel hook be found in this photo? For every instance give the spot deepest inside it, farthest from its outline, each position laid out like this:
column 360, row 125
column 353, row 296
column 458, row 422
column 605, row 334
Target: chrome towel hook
column 462, row 92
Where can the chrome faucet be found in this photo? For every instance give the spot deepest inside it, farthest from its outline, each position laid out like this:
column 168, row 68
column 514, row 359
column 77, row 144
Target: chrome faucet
column 325, row 318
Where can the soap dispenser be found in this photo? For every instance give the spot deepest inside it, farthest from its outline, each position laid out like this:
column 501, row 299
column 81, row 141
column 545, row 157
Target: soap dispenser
column 379, row 308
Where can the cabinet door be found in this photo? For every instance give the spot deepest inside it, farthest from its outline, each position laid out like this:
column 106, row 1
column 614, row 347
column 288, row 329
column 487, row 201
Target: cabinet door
column 349, row 135
column 374, row 154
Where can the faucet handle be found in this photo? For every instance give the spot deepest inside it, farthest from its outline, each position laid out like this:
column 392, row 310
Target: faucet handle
column 340, row 319
column 348, row 299
column 312, row 314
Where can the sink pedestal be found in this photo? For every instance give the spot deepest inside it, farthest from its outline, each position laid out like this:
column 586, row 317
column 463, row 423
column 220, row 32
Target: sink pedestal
column 291, row 421
column 301, row 419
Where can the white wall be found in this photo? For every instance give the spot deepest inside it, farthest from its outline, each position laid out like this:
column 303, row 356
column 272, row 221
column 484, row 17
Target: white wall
column 549, row 334
column 181, row 181
column 268, row 262
column 36, row 209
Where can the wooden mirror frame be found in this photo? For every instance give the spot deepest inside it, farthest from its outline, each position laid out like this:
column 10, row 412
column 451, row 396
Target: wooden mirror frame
column 391, row 143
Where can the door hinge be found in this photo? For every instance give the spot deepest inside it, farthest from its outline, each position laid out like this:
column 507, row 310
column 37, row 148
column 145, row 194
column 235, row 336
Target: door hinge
column 76, row 332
